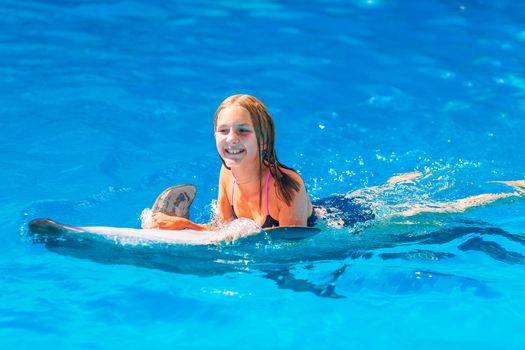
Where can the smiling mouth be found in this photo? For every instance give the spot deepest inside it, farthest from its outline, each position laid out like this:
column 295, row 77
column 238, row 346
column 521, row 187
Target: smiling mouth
column 234, row 151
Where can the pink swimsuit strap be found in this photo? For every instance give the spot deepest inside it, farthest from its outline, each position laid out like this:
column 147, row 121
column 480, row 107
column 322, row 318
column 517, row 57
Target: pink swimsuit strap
column 267, row 189
column 233, row 189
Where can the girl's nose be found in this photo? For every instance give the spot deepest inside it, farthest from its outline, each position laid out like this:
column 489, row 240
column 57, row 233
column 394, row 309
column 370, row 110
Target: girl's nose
column 232, row 136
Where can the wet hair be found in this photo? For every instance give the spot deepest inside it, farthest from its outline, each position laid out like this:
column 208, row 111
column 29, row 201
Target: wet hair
column 265, row 132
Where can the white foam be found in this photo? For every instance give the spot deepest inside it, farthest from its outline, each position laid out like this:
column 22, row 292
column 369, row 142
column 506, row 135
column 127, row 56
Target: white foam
column 145, row 218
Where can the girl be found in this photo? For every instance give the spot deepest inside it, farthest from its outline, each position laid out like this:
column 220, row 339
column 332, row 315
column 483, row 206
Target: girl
column 252, row 183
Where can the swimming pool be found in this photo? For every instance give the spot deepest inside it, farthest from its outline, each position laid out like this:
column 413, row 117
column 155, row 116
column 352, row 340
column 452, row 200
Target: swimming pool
column 106, row 103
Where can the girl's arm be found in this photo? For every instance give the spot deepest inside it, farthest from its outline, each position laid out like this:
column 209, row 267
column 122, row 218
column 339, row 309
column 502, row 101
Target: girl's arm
column 224, row 207
column 167, row 222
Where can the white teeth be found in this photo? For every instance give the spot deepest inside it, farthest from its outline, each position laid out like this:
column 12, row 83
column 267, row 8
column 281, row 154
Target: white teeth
column 234, row 151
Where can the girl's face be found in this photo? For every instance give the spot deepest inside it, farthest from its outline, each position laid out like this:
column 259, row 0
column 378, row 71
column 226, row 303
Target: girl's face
column 235, row 137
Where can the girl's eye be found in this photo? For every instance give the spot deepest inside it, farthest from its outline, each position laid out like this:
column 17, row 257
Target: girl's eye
column 244, row 131
column 222, row 131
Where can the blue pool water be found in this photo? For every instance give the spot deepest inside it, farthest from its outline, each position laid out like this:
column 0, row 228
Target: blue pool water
column 105, row 103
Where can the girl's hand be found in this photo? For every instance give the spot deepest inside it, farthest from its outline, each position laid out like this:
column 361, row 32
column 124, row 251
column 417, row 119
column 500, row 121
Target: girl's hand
column 168, row 222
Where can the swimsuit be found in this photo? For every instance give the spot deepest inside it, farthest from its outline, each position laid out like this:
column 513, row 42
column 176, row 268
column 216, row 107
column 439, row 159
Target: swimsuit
column 271, row 222
column 350, row 210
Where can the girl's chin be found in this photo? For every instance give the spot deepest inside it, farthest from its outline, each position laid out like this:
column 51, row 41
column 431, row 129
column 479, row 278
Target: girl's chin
column 236, row 163
column 233, row 163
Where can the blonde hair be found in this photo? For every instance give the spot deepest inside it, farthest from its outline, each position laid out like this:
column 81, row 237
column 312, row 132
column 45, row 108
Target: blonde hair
column 265, row 132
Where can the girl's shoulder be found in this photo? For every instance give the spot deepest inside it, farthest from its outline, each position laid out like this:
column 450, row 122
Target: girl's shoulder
column 225, row 175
